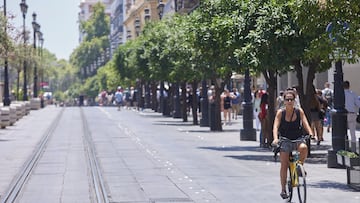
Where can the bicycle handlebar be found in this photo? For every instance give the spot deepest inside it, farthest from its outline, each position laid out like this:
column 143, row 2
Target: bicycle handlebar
column 276, row 147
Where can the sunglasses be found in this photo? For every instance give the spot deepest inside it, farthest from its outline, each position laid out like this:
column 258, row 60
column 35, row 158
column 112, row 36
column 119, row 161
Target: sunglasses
column 289, row 100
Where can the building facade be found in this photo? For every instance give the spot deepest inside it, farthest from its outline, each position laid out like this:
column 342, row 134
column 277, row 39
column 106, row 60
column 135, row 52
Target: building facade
column 116, row 25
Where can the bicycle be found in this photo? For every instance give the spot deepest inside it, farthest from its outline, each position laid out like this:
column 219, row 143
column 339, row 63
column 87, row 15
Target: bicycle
column 297, row 174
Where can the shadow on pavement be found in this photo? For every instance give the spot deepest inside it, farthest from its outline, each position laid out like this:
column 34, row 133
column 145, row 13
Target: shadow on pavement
column 151, row 115
column 314, row 158
column 317, row 158
column 238, row 148
column 207, row 130
column 253, row 157
column 173, row 123
column 331, row 185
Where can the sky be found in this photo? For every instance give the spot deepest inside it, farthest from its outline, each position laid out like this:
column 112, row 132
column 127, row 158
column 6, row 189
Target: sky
column 58, row 21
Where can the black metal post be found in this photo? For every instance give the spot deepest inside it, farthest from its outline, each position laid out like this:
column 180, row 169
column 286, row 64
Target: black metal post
column 339, row 118
column 24, row 8
column 6, row 100
column 166, row 101
column 161, row 107
column 177, row 105
column 204, row 102
column 147, row 95
column 35, row 29
column 248, row 133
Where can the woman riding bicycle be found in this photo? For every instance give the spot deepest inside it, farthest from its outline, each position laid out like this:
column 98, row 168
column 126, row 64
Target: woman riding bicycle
column 289, row 123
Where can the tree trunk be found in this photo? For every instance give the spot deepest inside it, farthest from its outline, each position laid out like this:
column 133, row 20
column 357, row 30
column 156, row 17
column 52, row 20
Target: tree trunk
column 216, row 125
column 305, row 94
column 270, row 77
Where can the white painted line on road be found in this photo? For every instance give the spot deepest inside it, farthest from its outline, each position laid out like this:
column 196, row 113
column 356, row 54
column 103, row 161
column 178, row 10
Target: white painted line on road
column 106, row 113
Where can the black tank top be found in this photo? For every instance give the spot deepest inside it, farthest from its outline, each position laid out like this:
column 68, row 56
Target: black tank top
column 293, row 129
column 227, row 102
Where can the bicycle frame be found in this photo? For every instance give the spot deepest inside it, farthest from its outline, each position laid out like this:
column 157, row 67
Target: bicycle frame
column 293, row 163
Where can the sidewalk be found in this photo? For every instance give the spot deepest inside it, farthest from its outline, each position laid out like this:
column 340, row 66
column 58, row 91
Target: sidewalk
column 17, row 142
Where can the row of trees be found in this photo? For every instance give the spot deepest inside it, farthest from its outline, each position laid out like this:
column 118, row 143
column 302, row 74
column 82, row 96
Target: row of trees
column 59, row 74
column 268, row 37
column 225, row 36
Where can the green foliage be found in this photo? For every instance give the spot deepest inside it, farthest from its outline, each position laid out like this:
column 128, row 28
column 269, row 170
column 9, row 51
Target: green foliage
column 60, row 96
column 98, row 24
column 347, row 153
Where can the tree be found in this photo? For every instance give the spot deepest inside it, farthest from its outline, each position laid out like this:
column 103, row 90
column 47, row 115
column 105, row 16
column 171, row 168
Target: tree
column 95, row 45
column 213, row 30
column 98, row 24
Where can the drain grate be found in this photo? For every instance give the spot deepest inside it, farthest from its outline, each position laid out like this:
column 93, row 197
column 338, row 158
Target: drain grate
column 155, row 200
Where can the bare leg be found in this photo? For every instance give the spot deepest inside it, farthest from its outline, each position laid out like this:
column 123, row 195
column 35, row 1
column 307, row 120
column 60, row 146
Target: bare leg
column 284, row 160
column 303, row 150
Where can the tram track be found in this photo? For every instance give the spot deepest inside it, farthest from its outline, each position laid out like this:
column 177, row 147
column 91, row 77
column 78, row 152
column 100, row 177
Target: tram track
column 97, row 185
column 24, row 174
column 97, row 180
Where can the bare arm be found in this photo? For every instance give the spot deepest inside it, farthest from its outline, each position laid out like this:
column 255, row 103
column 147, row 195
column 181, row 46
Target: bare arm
column 305, row 122
column 276, row 126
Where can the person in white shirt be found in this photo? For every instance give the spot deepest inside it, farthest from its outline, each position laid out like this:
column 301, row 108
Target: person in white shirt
column 256, row 107
column 352, row 105
column 329, row 96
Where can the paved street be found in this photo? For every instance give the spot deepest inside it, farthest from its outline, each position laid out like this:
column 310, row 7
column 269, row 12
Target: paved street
column 146, row 157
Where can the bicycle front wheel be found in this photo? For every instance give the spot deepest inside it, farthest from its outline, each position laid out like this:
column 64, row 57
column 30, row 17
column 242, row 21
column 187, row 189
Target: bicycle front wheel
column 301, row 187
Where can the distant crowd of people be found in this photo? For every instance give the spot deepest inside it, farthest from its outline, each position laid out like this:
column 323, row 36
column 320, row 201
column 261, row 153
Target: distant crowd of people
column 321, row 102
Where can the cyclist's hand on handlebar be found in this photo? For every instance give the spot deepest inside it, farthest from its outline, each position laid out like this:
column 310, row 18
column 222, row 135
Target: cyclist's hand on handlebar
column 275, row 142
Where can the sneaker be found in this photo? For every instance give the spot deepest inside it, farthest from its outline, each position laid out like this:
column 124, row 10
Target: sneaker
column 284, row 195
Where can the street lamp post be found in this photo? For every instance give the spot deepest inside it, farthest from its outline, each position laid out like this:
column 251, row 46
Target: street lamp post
column 24, row 8
column 248, row 133
column 339, row 118
column 6, row 100
column 36, row 28
column 41, row 43
column 160, row 8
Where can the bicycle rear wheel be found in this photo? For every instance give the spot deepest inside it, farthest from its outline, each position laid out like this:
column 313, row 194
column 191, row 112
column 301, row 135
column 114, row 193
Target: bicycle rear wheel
column 301, row 187
column 289, row 187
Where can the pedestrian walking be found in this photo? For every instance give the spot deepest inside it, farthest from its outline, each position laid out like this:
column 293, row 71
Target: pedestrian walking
column 315, row 114
column 235, row 103
column 263, row 117
column 329, row 96
column 119, row 98
column 352, row 105
column 226, row 98
column 280, row 100
column 256, row 107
